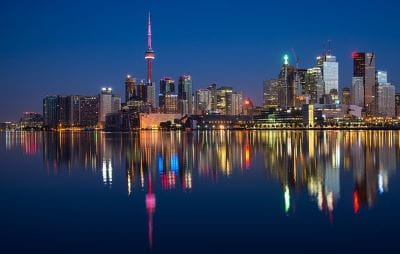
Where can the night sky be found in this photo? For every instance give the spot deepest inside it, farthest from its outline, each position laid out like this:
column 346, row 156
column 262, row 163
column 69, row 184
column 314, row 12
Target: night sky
column 76, row 47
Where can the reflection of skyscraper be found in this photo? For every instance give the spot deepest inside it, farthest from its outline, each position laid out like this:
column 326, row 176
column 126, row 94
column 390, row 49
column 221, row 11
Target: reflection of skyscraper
column 107, row 172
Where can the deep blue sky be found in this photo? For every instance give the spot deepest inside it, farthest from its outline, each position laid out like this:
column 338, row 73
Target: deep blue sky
column 76, row 47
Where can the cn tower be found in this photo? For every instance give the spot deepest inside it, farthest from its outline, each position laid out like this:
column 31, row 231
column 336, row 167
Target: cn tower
column 149, row 56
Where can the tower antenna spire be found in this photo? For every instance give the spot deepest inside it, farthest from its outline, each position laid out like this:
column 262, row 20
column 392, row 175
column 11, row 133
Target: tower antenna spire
column 149, row 32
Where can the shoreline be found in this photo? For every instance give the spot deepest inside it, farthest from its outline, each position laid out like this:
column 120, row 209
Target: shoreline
column 223, row 129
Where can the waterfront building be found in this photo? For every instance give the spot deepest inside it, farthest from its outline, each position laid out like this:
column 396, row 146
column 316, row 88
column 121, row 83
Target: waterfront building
column 397, row 103
column 308, row 115
column 271, row 93
column 287, row 88
column 385, row 93
column 153, row 121
column 330, row 72
column 364, row 67
column 381, row 77
column 167, row 87
column 346, row 96
column 236, row 104
column 89, row 111
column 224, row 100
column 357, row 92
column 314, row 85
column 185, row 94
column 31, row 120
column 50, row 110
column 131, row 89
column 203, row 101
column 108, row 103
column 213, row 95
column 170, row 104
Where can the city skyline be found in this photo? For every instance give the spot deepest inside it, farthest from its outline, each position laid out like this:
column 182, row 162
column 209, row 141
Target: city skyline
column 191, row 44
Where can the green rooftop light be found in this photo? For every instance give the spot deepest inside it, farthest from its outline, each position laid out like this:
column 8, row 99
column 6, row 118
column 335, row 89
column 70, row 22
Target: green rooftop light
column 286, row 59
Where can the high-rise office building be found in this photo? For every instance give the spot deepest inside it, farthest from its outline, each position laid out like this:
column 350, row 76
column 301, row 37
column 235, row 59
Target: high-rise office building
column 185, row 94
column 105, row 103
column 271, row 93
column 364, row 67
column 330, row 72
column 236, row 104
column 357, row 91
column 397, row 104
column 287, row 91
column 108, row 103
column 131, row 89
column 50, row 111
column 385, row 94
column 170, row 105
column 224, row 100
column 213, row 94
column 167, row 87
column 314, row 85
column 115, row 103
column 70, row 111
column 151, row 95
column 381, row 77
column 74, row 109
column 203, row 101
column 89, row 111
column 346, row 96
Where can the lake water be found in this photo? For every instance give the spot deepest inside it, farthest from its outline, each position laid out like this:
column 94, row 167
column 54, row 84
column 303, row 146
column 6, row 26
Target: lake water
column 199, row 192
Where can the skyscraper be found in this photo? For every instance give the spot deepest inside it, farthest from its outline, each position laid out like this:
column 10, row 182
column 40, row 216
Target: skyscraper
column 314, row 85
column 130, row 88
column 385, row 94
column 170, row 105
column 270, row 93
column 385, row 100
column 224, row 100
column 50, row 111
column 397, row 104
column 185, row 94
column 287, row 91
column 236, row 104
column 346, row 96
column 213, row 94
column 330, row 72
column 381, row 77
column 364, row 67
column 89, row 111
column 167, row 87
column 203, row 101
column 357, row 91
column 108, row 103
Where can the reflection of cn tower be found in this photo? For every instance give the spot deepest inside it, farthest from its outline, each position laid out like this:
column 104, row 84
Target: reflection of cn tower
column 150, row 207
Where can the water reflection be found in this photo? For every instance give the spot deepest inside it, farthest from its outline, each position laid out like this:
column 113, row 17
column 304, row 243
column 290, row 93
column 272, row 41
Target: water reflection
column 301, row 161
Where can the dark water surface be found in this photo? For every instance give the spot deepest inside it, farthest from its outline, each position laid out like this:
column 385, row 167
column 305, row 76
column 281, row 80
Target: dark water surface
column 206, row 192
